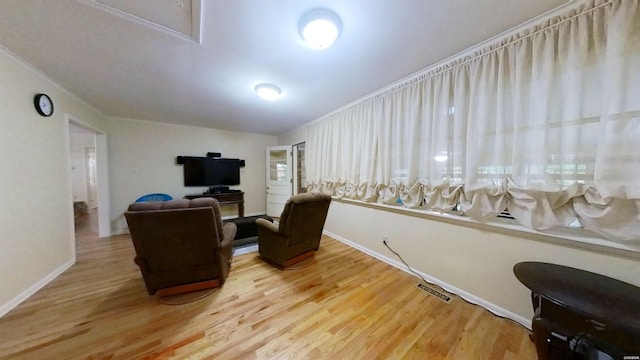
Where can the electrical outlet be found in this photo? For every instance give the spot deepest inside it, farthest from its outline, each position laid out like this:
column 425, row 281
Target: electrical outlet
column 385, row 238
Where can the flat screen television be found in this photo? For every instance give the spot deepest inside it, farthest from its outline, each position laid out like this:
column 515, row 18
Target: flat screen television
column 207, row 171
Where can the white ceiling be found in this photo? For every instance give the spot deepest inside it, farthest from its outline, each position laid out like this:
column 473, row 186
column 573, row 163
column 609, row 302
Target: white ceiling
column 128, row 69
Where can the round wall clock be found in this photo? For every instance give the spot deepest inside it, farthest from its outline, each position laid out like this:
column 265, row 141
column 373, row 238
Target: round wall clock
column 43, row 104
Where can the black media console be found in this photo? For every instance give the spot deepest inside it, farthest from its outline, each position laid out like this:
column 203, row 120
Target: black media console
column 225, row 198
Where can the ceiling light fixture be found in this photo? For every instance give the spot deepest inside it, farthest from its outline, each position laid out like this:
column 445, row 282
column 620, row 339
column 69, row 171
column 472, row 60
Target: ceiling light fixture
column 320, row 28
column 268, row 92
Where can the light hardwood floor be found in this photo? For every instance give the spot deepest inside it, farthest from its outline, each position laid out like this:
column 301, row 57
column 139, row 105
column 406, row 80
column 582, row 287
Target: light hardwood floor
column 346, row 305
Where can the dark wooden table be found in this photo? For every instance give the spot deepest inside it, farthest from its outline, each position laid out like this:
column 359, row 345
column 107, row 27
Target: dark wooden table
column 225, row 198
column 577, row 310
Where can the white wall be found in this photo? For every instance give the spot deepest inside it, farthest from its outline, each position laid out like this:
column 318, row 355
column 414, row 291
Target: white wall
column 142, row 160
column 36, row 216
column 294, row 137
column 473, row 259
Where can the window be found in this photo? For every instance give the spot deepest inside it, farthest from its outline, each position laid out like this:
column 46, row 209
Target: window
column 544, row 123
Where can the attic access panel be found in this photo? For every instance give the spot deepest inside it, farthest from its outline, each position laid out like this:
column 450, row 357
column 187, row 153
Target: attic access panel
column 177, row 17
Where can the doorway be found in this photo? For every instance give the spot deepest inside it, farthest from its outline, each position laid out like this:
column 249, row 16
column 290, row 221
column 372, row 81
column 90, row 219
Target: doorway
column 82, row 150
column 299, row 169
column 89, row 177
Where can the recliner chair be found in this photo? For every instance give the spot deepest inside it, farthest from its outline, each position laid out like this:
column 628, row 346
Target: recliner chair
column 297, row 236
column 181, row 245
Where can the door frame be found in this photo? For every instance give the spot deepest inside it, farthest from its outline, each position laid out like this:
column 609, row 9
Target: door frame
column 274, row 208
column 296, row 170
column 102, row 170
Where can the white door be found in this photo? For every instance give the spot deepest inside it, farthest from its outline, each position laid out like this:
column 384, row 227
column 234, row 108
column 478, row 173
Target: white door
column 279, row 183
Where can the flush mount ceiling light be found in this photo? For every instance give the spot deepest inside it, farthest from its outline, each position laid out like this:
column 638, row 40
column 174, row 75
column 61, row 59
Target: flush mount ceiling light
column 268, row 92
column 320, row 28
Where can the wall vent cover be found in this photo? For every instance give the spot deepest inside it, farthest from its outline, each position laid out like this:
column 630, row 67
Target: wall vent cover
column 440, row 295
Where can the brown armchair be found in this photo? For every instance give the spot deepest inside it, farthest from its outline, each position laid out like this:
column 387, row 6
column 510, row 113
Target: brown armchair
column 181, row 245
column 297, row 236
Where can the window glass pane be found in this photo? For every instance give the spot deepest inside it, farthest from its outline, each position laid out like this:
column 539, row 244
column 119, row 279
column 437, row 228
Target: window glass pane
column 278, row 165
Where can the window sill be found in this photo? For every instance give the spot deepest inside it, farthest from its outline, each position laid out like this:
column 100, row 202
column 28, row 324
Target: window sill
column 573, row 237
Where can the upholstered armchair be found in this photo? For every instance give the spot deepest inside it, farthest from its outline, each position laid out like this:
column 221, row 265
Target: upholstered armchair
column 297, row 236
column 181, row 245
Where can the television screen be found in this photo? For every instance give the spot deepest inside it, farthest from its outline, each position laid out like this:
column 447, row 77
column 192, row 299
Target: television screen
column 194, row 171
column 224, row 172
column 206, row 171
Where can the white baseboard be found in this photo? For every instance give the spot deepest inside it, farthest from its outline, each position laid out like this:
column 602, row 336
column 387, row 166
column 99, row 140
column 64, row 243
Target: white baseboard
column 493, row 308
column 5, row 308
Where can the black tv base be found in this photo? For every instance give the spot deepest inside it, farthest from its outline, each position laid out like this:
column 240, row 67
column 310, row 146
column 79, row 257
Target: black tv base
column 217, row 190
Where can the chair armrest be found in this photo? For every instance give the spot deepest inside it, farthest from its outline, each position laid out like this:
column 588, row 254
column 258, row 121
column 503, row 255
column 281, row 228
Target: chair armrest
column 226, row 247
column 226, row 243
column 269, row 234
column 229, row 232
column 142, row 263
column 267, row 225
column 225, row 253
column 272, row 244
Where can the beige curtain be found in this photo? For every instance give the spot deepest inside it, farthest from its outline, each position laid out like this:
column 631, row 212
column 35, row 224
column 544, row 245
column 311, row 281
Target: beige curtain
column 545, row 123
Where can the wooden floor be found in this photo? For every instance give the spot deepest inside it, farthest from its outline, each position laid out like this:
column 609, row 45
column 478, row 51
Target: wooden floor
column 346, row 305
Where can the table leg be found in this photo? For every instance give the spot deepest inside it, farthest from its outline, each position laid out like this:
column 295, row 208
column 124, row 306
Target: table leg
column 541, row 334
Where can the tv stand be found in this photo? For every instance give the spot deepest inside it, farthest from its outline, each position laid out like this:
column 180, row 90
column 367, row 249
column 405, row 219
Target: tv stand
column 225, row 198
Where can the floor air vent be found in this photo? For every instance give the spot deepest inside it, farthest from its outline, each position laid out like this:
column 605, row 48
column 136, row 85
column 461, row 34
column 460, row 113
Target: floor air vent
column 442, row 296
